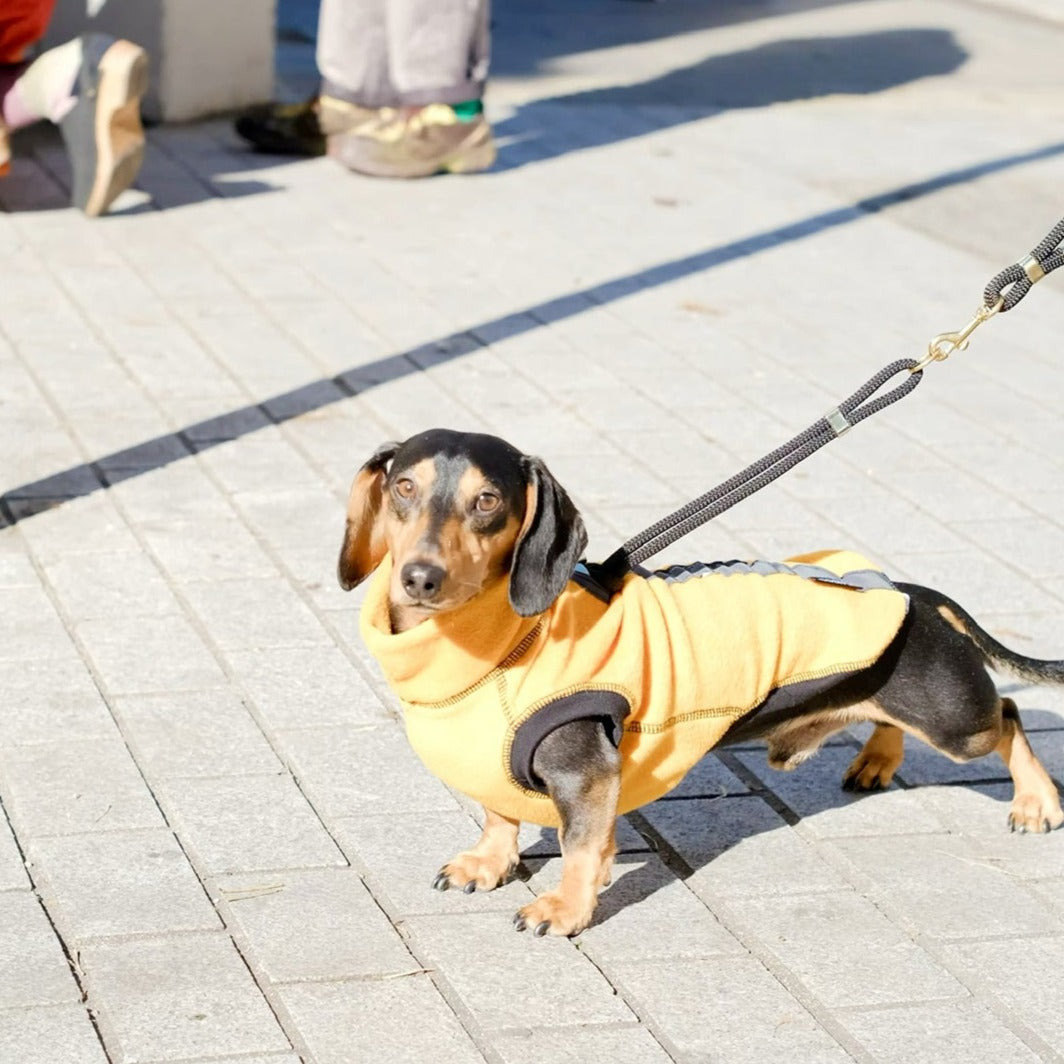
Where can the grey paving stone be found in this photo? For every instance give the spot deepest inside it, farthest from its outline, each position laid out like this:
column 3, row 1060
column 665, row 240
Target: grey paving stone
column 361, row 770
column 321, row 925
column 977, row 810
column 109, row 584
column 213, row 547
column 119, row 883
column 530, row 977
column 247, row 824
column 198, row 733
column 401, row 855
column 89, row 785
column 81, row 526
column 300, row 687
column 646, row 913
column 1049, row 747
column 16, row 569
column 250, row 614
column 582, row 1045
column 175, row 998
column 147, row 654
column 49, row 1034
column 1026, row 975
column 726, row 1008
column 813, row 791
column 30, row 629
column 264, row 461
column 941, row 886
column 729, row 842
column 295, row 516
column 933, row 1033
column 12, row 870
column 709, row 779
column 33, row 970
column 401, row 1020
column 49, row 698
column 826, row 940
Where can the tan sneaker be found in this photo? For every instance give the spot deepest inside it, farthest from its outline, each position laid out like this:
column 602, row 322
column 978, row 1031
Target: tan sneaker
column 339, row 116
column 416, row 142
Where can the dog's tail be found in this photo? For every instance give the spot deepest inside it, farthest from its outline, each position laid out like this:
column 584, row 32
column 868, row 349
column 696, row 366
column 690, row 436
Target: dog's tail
column 1033, row 670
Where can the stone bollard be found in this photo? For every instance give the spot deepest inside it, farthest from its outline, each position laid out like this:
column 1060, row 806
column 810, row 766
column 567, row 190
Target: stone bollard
column 207, row 56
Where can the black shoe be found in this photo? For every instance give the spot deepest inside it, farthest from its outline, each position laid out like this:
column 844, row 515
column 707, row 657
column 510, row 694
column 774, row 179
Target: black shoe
column 283, row 129
column 102, row 131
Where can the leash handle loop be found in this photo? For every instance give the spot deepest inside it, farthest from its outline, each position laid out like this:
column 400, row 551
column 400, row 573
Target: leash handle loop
column 1015, row 281
column 1003, row 292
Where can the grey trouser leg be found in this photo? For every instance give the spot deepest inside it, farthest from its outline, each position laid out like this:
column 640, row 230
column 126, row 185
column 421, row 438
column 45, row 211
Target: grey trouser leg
column 386, row 53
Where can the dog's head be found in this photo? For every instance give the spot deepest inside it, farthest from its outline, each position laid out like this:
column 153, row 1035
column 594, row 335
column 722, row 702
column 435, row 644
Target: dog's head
column 457, row 511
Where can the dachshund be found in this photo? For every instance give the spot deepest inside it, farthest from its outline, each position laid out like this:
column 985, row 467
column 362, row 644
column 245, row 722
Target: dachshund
column 528, row 686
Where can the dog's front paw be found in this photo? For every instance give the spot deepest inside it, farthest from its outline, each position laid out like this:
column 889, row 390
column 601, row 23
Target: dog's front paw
column 1035, row 812
column 472, row 871
column 554, row 914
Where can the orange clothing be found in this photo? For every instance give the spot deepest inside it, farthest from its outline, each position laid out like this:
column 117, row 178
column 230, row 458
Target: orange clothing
column 22, row 23
column 685, row 652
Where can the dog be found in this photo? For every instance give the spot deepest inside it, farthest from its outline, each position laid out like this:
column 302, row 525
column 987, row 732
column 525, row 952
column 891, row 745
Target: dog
column 531, row 688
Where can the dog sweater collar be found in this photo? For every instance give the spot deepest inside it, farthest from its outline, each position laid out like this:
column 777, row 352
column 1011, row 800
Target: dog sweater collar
column 445, row 655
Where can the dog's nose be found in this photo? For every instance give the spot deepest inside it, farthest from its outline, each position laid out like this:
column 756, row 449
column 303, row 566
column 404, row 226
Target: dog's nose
column 422, row 580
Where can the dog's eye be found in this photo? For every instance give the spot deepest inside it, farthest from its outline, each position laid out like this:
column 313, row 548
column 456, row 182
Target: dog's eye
column 487, row 502
column 404, row 488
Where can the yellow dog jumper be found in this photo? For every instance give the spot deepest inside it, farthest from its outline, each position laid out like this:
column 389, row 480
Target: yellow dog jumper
column 668, row 664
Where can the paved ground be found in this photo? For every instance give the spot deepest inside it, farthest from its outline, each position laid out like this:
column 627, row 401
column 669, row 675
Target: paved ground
column 708, row 224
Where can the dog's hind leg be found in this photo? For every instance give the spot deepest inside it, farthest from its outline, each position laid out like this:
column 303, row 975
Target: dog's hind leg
column 1036, row 803
column 874, row 767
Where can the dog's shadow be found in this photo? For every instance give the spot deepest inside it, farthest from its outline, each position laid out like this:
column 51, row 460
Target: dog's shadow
column 702, row 832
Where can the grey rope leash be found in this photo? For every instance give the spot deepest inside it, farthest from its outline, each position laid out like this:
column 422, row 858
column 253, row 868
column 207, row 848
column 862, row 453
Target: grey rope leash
column 1003, row 292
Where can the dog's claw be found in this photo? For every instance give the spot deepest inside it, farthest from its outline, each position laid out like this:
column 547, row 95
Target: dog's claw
column 470, row 887
column 441, row 882
column 849, row 783
column 542, row 928
column 519, row 922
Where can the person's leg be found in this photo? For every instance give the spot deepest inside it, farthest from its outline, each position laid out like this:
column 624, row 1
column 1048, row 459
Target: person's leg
column 438, row 50
column 353, row 56
column 353, row 63
column 437, row 67
column 91, row 88
column 43, row 89
column 22, row 24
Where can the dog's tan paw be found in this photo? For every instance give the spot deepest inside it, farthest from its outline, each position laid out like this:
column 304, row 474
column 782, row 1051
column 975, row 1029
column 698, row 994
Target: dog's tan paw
column 1036, row 813
column 553, row 914
column 472, row 871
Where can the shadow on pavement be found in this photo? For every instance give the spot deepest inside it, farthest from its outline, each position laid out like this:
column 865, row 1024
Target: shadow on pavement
column 771, row 73
column 25, row 500
column 730, row 819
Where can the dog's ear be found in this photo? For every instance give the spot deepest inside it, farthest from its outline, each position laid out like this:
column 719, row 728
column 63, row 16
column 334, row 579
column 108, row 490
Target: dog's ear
column 364, row 547
column 550, row 543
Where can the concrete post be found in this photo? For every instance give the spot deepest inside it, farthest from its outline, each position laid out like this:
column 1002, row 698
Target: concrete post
column 207, row 55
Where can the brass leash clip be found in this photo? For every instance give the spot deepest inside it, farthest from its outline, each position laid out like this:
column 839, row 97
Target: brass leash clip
column 944, row 345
